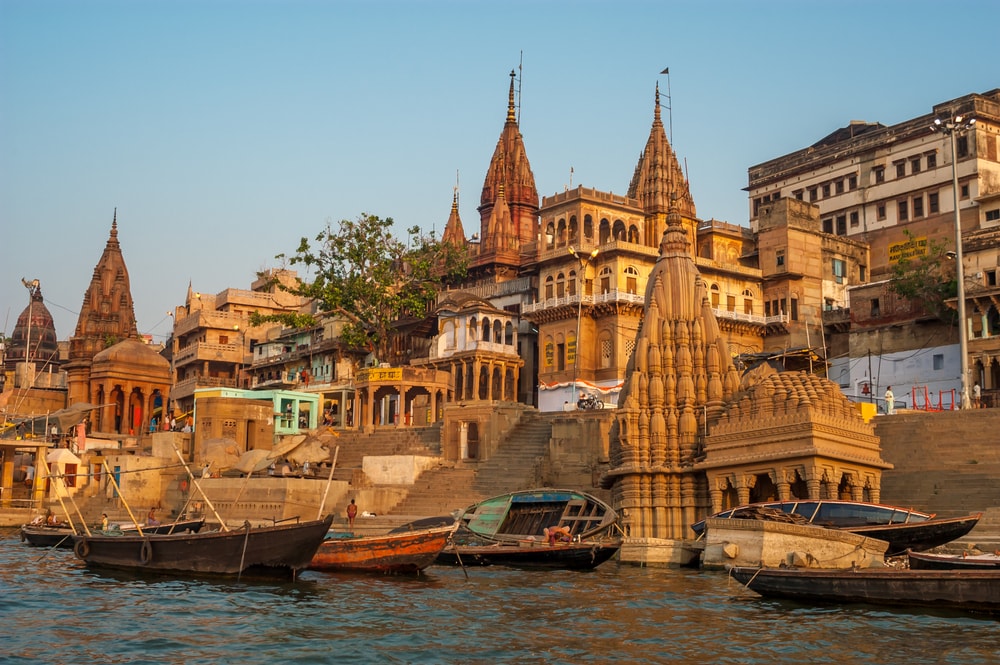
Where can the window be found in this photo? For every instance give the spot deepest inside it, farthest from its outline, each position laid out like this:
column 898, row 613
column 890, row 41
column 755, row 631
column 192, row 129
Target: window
column 840, row 186
column 795, row 309
column 779, row 258
column 605, row 279
column 631, row 279
column 879, row 174
column 932, row 203
column 826, row 190
column 812, row 194
column 918, row 206
column 903, row 211
column 606, row 348
column 915, row 165
column 991, row 278
column 730, row 303
column 931, row 160
column 798, row 194
column 962, row 146
column 560, row 286
column 965, row 191
column 839, row 270
column 880, row 211
column 756, row 206
column 862, row 274
column 767, row 308
column 938, row 360
column 876, row 308
column 854, row 219
column 549, row 283
column 993, row 215
column 747, row 302
column 852, row 182
column 714, row 289
column 571, row 284
column 828, row 304
column 841, row 225
column 900, row 169
column 561, row 356
column 828, row 225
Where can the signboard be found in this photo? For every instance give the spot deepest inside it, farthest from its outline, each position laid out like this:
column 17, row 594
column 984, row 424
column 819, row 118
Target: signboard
column 380, row 374
column 907, row 249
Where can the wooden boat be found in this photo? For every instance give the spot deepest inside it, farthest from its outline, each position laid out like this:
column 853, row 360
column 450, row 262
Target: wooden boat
column 39, row 535
column 582, row 555
column 928, row 561
column 398, row 552
column 512, row 530
column 966, row 590
column 527, row 514
column 272, row 551
column 904, row 529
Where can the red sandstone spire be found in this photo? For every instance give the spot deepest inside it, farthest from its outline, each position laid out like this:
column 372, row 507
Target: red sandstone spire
column 510, row 170
column 453, row 231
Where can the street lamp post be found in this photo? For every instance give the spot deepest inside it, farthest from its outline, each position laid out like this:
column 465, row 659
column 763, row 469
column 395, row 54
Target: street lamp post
column 951, row 127
column 585, row 260
column 32, row 286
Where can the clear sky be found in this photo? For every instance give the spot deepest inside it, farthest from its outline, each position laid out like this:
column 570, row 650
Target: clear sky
column 224, row 131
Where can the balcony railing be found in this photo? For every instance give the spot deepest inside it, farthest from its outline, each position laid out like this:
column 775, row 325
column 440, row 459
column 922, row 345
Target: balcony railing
column 229, row 353
column 574, row 300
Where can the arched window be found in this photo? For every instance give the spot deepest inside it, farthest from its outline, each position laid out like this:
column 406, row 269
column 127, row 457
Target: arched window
column 793, row 315
column 573, row 230
column 606, row 346
column 549, row 284
column 633, row 233
column 561, row 233
column 473, row 328
column 747, row 301
column 588, row 227
column 619, row 230
column 560, row 286
column 486, row 330
column 605, row 231
column 550, row 235
column 715, row 295
column 631, row 280
column 571, row 283
column 508, row 334
column 498, row 331
column 605, row 279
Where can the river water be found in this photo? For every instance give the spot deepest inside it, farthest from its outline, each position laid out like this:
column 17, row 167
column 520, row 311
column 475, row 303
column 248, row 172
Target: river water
column 53, row 609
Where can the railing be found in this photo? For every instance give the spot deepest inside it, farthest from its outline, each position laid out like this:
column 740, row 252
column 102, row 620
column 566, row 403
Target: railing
column 574, row 300
column 232, row 353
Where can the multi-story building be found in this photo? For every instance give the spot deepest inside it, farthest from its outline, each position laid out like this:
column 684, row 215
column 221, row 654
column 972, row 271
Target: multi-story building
column 892, row 188
column 213, row 338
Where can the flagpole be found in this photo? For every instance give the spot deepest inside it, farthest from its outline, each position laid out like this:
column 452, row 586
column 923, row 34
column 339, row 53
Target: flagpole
column 670, row 111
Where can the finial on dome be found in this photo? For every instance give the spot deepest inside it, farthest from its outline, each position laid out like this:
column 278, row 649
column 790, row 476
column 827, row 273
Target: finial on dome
column 511, row 117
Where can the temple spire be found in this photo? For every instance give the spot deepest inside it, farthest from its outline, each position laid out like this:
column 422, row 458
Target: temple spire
column 511, row 115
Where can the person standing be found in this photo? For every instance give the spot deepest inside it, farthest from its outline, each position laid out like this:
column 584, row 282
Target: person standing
column 890, row 401
column 977, row 395
column 352, row 512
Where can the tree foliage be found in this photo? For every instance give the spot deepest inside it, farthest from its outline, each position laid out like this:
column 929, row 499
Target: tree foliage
column 362, row 272
column 928, row 278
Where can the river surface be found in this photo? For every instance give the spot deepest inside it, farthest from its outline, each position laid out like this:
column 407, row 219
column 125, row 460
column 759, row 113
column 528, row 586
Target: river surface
column 53, row 609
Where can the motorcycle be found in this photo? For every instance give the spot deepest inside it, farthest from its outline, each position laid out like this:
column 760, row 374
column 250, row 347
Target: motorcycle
column 589, row 403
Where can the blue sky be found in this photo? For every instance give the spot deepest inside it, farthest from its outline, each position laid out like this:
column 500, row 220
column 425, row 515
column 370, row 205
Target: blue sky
column 224, row 131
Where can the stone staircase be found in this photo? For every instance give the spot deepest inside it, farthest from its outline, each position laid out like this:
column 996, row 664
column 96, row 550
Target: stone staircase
column 946, row 463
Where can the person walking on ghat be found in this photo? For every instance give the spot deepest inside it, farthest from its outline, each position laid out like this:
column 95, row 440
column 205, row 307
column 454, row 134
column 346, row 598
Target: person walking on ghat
column 352, row 512
column 890, row 401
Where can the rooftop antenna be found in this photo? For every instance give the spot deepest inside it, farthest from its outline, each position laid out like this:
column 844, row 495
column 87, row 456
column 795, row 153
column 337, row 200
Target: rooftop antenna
column 571, row 177
column 670, row 112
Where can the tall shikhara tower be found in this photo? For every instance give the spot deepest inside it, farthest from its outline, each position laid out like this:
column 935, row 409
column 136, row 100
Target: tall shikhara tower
column 107, row 316
column 680, row 375
column 508, row 209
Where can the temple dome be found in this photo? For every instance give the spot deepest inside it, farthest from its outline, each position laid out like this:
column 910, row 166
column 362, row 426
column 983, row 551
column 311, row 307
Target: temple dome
column 131, row 353
column 42, row 331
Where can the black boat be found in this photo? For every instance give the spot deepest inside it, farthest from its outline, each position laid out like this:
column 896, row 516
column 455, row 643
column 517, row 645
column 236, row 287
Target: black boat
column 965, row 561
column 965, row 590
column 904, row 529
column 582, row 555
column 514, row 530
column 40, row 535
column 269, row 551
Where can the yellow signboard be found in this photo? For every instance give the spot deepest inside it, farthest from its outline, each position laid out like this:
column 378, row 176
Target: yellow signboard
column 908, row 249
column 380, row 374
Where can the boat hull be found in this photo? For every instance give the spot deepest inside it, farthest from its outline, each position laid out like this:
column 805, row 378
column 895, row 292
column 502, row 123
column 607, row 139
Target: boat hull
column 392, row 553
column 569, row 556
column 966, row 590
column 919, row 536
column 272, row 551
column 528, row 513
column 925, row 561
column 47, row 536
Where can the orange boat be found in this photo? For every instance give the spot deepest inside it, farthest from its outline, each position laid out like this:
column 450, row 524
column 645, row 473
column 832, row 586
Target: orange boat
column 401, row 552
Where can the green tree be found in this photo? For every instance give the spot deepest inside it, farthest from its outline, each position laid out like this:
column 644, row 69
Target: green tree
column 926, row 278
column 362, row 272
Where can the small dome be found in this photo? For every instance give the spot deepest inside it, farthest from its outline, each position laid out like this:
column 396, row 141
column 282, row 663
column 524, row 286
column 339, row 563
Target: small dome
column 131, row 352
column 42, row 332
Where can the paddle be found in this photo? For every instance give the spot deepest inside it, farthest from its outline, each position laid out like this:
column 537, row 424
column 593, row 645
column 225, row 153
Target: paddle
column 329, row 480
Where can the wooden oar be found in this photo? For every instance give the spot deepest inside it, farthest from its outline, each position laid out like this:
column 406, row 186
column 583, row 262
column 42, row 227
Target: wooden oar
column 194, row 482
column 329, row 480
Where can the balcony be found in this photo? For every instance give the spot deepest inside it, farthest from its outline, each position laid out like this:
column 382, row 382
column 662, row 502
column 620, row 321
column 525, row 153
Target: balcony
column 574, row 300
column 201, row 351
column 186, row 388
